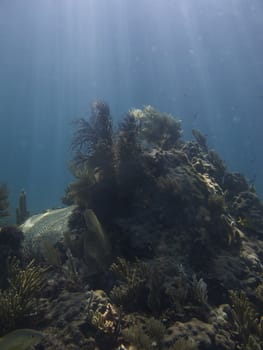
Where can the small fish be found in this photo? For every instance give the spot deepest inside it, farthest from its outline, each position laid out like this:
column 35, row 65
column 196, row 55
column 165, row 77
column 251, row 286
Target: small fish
column 20, row 339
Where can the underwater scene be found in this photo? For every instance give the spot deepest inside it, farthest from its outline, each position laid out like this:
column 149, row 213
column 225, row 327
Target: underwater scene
column 131, row 182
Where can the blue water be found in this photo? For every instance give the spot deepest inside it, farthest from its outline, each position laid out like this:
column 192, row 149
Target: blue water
column 201, row 60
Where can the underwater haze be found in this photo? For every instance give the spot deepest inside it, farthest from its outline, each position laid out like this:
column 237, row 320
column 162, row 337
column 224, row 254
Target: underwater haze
column 201, row 60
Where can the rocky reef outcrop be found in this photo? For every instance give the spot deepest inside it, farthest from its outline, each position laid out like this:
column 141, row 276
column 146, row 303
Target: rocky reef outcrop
column 161, row 248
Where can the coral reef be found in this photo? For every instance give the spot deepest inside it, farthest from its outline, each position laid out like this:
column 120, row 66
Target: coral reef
column 158, row 234
column 157, row 129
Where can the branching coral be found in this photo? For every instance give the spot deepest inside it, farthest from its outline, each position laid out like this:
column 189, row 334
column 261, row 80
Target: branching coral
column 93, row 140
column 138, row 285
column 133, row 277
column 200, row 290
column 93, row 162
column 18, row 301
column 245, row 321
column 21, row 212
column 4, row 203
